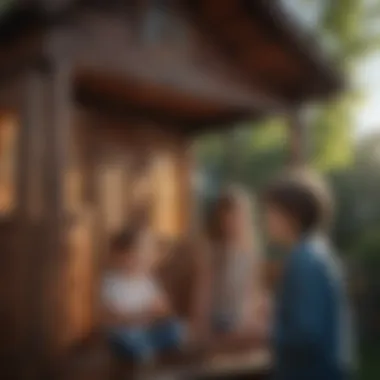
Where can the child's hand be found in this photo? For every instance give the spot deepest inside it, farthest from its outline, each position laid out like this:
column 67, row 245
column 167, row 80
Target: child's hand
column 160, row 309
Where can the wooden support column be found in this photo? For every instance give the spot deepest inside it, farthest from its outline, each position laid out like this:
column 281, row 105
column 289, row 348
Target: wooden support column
column 295, row 139
column 231, row 156
column 58, row 119
column 29, row 128
column 29, row 213
column 57, row 136
column 15, row 239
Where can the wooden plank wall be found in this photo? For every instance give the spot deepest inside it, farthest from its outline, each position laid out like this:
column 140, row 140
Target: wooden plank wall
column 51, row 302
column 71, row 167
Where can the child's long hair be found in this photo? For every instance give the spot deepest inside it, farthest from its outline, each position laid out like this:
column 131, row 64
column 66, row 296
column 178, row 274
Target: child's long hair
column 233, row 197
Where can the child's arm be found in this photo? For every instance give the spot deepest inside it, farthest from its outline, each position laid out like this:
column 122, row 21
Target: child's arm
column 161, row 307
column 112, row 318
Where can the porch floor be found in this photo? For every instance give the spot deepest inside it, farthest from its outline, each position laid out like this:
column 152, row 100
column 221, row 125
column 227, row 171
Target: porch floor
column 255, row 365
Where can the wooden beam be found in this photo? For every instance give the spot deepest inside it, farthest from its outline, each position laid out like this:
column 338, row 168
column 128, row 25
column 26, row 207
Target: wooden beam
column 27, row 270
column 222, row 122
column 117, row 109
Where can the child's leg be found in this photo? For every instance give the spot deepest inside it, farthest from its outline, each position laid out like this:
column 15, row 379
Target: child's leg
column 131, row 342
column 167, row 335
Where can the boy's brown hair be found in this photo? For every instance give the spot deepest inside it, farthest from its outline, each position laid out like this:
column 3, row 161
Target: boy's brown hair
column 303, row 197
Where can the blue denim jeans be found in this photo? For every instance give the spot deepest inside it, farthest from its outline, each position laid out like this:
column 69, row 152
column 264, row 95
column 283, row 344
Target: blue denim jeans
column 143, row 343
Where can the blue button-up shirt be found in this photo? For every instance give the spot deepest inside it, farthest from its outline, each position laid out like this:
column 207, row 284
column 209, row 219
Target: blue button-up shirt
column 313, row 328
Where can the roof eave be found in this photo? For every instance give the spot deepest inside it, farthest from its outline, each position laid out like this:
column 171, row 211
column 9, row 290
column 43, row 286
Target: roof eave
column 299, row 40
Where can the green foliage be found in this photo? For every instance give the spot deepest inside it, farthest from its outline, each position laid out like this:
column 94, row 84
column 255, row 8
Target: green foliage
column 249, row 155
column 344, row 24
column 268, row 135
column 369, row 364
column 350, row 30
column 367, row 248
column 331, row 136
column 357, row 190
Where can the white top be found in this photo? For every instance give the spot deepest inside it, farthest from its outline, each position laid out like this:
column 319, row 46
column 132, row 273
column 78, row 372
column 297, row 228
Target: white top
column 123, row 294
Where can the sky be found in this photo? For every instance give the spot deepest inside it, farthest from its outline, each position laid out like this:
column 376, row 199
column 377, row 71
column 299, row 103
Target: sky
column 368, row 80
column 367, row 76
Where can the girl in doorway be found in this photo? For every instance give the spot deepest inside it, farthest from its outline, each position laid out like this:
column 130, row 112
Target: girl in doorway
column 228, row 285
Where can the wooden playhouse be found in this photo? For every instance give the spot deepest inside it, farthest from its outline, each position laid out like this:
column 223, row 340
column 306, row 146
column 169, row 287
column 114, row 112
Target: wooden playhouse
column 99, row 104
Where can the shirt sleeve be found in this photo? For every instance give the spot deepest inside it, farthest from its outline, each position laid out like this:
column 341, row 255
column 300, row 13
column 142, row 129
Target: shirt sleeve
column 302, row 332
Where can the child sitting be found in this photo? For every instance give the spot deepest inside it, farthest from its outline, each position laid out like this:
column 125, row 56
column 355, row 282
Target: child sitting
column 139, row 321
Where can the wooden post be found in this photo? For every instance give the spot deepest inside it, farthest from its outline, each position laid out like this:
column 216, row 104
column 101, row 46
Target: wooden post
column 57, row 131
column 30, row 120
column 38, row 244
column 231, row 156
column 18, row 249
column 30, row 211
column 295, row 138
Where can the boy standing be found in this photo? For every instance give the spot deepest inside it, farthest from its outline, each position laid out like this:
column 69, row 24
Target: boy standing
column 312, row 329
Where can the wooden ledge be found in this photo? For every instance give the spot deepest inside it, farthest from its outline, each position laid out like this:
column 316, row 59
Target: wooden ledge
column 232, row 354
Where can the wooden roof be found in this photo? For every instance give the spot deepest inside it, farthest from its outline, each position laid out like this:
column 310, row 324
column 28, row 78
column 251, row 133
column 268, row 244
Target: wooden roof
column 262, row 47
column 268, row 44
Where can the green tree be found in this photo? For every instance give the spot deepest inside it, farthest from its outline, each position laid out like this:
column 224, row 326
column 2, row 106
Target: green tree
column 357, row 190
column 348, row 29
column 249, row 154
